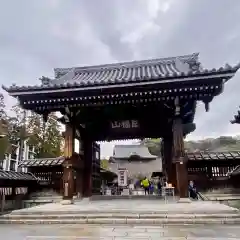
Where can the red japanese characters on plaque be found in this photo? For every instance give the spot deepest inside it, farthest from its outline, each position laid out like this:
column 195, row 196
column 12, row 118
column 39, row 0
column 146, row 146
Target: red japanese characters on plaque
column 126, row 124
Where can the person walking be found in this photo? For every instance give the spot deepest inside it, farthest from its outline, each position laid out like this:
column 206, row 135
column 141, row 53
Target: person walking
column 159, row 187
column 145, row 184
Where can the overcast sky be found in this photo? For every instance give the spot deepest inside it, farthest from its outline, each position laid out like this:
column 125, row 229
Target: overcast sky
column 38, row 35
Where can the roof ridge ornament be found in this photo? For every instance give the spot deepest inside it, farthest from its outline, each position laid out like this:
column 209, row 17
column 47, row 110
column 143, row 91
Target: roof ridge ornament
column 65, row 77
column 181, row 65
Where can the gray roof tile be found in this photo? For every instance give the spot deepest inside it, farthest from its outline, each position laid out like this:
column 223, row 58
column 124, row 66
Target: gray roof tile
column 213, row 155
column 42, row 162
column 11, row 175
column 179, row 63
column 127, row 71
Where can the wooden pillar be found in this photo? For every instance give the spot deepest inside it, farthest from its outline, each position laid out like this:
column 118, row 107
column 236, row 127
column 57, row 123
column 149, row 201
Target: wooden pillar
column 87, row 174
column 69, row 141
column 68, row 178
column 179, row 158
column 164, row 157
column 79, row 170
column 2, row 203
column 209, row 172
column 169, row 166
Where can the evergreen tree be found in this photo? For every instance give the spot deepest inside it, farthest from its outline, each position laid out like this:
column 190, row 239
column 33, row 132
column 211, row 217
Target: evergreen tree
column 3, row 128
column 104, row 164
column 52, row 140
column 45, row 137
column 3, row 114
column 17, row 130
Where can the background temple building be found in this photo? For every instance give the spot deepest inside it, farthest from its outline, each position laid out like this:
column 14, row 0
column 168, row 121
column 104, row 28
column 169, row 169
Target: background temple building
column 136, row 159
column 11, row 160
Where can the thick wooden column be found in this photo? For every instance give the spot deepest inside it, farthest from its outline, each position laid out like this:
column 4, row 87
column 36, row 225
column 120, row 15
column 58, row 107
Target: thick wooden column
column 179, row 158
column 169, row 166
column 87, row 174
column 69, row 141
column 68, row 178
column 79, row 169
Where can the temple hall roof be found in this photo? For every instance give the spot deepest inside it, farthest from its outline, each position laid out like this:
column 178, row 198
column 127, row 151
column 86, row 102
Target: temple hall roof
column 162, row 69
column 128, row 151
column 135, row 168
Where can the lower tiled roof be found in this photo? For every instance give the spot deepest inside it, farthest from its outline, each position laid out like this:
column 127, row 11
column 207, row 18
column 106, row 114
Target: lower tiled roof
column 40, row 162
column 213, row 155
column 11, row 175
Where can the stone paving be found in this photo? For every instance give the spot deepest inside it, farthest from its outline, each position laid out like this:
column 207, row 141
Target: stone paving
column 150, row 212
column 132, row 206
column 90, row 232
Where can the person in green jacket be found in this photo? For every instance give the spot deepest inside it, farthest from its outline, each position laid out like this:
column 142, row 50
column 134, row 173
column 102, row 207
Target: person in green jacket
column 145, row 184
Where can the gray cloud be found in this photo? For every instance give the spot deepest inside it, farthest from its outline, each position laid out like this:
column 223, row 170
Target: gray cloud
column 36, row 36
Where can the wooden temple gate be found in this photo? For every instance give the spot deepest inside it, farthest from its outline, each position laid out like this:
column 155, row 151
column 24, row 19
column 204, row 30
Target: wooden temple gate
column 141, row 99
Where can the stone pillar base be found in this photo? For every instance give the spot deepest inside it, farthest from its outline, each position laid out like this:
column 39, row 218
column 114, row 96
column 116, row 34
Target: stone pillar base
column 184, row 200
column 67, row 202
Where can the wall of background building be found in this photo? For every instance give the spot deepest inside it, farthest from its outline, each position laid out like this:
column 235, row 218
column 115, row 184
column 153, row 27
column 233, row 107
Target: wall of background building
column 12, row 160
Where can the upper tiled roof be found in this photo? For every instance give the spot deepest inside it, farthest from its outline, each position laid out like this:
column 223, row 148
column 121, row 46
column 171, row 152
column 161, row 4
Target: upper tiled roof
column 152, row 67
column 11, row 175
column 42, row 162
column 126, row 72
column 213, row 155
column 126, row 151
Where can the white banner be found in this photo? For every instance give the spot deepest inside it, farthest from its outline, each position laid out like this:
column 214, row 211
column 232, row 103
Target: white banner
column 122, row 177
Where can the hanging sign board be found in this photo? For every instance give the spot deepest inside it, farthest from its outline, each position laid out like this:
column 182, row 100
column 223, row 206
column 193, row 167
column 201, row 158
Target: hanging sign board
column 126, row 124
column 122, row 177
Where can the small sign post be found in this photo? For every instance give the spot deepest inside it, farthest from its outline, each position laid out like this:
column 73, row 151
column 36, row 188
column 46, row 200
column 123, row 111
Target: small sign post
column 122, row 177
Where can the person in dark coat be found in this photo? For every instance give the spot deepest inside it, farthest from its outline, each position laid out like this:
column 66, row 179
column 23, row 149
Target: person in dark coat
column 192, row 190
column 159, row 186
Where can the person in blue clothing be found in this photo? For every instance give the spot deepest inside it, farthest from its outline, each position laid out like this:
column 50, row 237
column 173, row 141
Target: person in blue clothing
column 151, row 188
